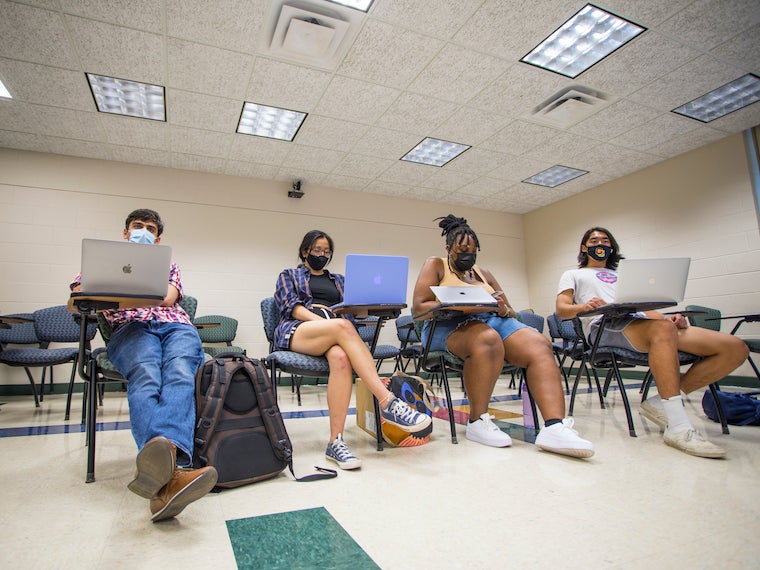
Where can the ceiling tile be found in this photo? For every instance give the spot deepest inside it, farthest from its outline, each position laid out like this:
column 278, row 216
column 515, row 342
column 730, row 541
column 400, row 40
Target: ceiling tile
column 384, row 143
column 22, row 141
column 562, row 148
column 457, row 74
column 445, row 180
column 361, row 166
column 468, row 125
column 84, row 149
column 195, row 67
column 706, row 23
column 197, row 142
column 288, row 86
column 477, row 161
column 258, row 149
column 117, row 51
column 234, row 24
column 289, row 174
column 519, row 90
column 346, row 182
column 326, row 132
column 743, row 50
column 202, row 111
column 699, row 136
column 250, row 169
column 311, row 158
column 412, row 113
column 388, row 54
column 437, row 18
column 613, row 160
column 646, row 12
column 614, row 120
column 655, row 132
column 515, row 169
column 44, row 85
column 686, row 83
column 134, row 132
column 354, row 100
column 484, row 186
column 386, row 188
column 511, row 29
column 33, row 34
column 645, row 59
column 141, row 14
column 518, row 137
column 407, row 173
column 429, row 194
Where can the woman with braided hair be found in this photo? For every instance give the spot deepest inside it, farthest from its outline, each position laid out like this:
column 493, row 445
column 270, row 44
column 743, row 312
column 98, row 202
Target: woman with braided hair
column 484, row 341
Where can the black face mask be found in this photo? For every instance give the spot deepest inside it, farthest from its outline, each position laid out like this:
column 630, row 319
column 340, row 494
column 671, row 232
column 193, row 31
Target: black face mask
column 317, row 262
column 464, row 261
column 599, row 252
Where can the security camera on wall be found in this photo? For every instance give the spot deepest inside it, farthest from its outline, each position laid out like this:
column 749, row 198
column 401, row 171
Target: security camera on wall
column 296, row 192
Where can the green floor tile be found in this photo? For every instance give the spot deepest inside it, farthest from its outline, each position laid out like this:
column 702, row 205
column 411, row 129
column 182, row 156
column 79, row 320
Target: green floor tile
column 310, row 538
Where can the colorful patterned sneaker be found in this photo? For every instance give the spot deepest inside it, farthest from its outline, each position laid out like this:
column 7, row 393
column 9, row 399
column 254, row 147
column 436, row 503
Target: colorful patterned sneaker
column 694, row 443
column 563, row 439
column 338, row 451
column 486, row 432
column 653, row 414
column 403, row 416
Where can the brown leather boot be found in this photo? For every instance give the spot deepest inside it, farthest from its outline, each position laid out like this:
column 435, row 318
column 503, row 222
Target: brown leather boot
column 155, row 466
column 186, row 485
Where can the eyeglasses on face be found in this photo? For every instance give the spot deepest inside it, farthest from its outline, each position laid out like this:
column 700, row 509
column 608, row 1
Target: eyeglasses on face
column 319, row 251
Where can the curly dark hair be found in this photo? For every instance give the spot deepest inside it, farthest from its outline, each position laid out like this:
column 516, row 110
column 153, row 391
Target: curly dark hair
column 456, row 230
column 308, row 241
column 145, row 215
column 612, row 260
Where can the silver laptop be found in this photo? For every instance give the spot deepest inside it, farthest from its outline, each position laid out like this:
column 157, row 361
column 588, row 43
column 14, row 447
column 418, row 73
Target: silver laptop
column 652, row 280
column 124, row 268
column 464, row 295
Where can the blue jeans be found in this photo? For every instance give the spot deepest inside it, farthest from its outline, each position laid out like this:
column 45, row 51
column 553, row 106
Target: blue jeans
column 159, row 361
column 502, row 325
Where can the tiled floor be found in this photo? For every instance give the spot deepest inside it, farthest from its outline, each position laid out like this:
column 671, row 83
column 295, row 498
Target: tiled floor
column 637, row 503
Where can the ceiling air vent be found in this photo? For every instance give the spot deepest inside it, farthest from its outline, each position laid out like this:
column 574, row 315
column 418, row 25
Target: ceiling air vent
column 570, row 106
column 302, row 32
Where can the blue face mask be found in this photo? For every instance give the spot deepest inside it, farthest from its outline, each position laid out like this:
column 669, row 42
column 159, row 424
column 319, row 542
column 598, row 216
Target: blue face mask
column 141, row 235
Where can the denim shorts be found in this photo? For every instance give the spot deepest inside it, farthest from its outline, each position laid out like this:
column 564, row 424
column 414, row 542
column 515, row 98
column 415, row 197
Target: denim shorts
column 613, row 334
column 503, row 325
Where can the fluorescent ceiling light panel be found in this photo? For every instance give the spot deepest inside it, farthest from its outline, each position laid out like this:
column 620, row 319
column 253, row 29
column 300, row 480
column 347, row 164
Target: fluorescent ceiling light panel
column 585, row 39
column 435, row 152
column 726, row 99
column 4, row 93
column 130, row 98
column 270, row 122
column 362, row 5
column 554, row 176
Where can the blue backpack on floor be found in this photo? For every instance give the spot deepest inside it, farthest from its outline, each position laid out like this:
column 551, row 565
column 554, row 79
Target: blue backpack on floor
column 739, row 409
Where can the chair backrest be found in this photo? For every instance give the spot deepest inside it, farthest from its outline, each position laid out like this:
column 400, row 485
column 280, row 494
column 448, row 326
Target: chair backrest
column 405, row 330
column 57, row 324
column 19, row 333
column 532, row 320
column 552, row 322
column 366, row 328
column 702, row 320
column 190, row 305
column 271, row 317
column 225, row 332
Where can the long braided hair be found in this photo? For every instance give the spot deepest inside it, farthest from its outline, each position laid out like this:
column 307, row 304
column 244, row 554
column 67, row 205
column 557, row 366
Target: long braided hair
column 456, row 230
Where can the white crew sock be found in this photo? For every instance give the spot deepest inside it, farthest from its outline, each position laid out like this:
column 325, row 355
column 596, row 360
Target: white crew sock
column 655, row 401
column 678, row 421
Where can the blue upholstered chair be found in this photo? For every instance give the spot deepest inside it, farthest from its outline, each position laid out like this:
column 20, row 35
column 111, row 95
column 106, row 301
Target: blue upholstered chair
column 294, row 363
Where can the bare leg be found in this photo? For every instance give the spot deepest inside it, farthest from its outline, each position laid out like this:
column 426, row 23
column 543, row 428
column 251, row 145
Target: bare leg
column 721, row 354
column 659, row 338
column 339, row 386
column 529, row 349
column 481, row 349
column 317, row 337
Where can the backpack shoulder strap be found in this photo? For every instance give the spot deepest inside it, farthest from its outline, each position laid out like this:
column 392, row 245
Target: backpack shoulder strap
column 210, row 405
column 270, row 414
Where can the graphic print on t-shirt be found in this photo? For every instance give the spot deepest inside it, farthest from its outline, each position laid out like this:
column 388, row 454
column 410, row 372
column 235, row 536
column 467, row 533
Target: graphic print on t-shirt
column 606, row 276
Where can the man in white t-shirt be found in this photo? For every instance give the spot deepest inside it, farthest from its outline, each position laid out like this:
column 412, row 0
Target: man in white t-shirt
column 593, row 284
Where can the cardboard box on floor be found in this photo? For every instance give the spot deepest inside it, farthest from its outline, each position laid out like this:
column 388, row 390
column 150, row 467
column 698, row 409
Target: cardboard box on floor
column 365, row 409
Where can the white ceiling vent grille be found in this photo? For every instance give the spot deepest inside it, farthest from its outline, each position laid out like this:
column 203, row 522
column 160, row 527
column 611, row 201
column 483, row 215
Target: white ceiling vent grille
column 311, row 34
column 570, row 106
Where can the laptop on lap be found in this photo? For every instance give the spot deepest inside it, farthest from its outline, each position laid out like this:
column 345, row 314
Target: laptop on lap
column 375, row 280
column 121, row 268
column 464, row 295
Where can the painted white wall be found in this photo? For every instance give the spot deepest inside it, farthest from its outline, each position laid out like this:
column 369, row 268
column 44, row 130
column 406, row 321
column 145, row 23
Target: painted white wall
column 697, row 205
column 231, row 236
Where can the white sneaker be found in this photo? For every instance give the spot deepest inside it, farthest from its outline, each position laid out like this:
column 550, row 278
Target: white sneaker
column 486, row 432
column 338, row 451
column 694, row 443
column 654, row 414
column 563, row 439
